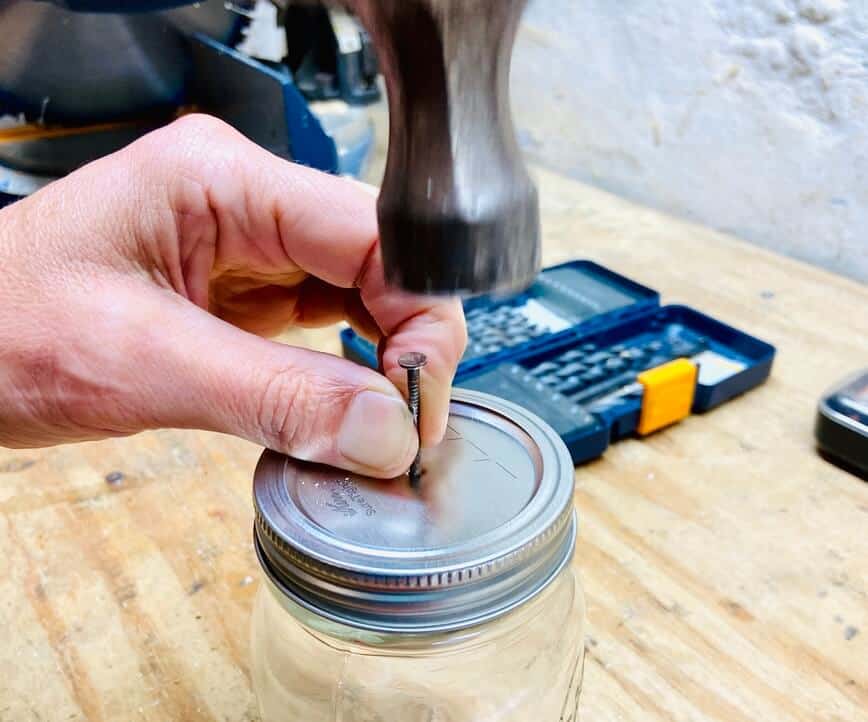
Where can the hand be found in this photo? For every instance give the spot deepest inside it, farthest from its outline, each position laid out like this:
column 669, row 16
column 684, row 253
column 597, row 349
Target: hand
column 134, row 294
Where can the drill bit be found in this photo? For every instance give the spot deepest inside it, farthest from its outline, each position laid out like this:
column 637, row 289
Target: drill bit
column 413, row 363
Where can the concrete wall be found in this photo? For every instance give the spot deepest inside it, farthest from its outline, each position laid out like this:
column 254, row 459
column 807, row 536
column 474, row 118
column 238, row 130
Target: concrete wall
column 748, row 115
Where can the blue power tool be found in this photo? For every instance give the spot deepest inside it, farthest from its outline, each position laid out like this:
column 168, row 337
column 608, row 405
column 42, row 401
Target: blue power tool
column 82, row 78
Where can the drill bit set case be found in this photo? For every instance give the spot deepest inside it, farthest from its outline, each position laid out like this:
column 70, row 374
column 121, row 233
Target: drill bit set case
column 596, row 356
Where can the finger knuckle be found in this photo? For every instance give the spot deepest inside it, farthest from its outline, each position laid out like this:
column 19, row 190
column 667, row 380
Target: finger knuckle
column 200, row 126
column 297, row 408
column 285, row 403
column 190, row 145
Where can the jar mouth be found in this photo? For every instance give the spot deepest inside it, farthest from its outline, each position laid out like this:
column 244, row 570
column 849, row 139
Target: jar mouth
column 446, row 609
column 491, row 525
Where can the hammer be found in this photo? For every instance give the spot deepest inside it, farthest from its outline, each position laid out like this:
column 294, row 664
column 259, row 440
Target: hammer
column 458, row 213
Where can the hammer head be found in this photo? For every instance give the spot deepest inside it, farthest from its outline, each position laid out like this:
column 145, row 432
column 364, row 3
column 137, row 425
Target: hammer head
column 458, row 212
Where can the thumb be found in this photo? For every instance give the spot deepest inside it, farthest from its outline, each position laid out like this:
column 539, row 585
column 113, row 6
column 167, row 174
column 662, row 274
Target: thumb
column 309, row 405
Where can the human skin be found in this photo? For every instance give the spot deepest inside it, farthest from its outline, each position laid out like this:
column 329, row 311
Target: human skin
column 139, row 291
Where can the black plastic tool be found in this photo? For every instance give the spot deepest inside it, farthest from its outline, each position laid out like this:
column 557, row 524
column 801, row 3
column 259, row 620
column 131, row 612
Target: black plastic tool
column 841, row 428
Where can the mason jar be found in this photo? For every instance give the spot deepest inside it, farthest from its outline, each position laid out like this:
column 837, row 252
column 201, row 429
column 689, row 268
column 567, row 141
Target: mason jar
column 452, row 600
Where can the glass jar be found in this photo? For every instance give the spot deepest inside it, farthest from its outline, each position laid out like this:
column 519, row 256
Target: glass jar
column 452, row 602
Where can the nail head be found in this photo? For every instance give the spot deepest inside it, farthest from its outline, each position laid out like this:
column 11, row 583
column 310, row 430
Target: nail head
column 412, row 360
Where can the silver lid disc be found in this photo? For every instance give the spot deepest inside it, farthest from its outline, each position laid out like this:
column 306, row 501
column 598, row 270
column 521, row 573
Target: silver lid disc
column 490, row 525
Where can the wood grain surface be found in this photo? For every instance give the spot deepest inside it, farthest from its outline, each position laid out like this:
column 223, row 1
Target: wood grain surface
column 725, row 564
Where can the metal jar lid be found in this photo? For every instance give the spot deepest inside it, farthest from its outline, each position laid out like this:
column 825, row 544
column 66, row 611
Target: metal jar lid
column 490, row 525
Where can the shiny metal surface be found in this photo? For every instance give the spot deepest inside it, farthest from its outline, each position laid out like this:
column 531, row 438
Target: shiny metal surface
column 413, row 362
column 491, row 524
column 60, row 66
column 67, row 67
column 55, row 154
column 458, row 211
column 15, row 183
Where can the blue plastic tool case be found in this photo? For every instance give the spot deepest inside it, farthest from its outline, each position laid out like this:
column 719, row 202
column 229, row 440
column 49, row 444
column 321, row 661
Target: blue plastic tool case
column 571, row 346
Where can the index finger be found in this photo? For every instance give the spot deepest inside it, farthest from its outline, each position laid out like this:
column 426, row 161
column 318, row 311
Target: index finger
column 277, row 213
column 350, row 256
column 346, row 252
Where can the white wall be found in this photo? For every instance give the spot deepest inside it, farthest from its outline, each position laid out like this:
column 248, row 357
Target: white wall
column 748, row 115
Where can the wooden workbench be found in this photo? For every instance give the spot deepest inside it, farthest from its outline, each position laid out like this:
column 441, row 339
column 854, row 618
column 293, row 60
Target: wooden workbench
column 725, row 564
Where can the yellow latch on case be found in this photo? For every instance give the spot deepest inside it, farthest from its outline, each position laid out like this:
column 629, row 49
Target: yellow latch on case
column 668, row 394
